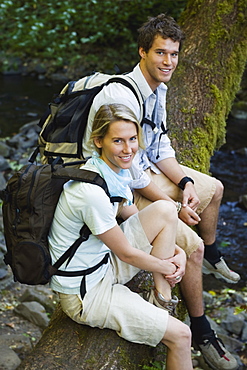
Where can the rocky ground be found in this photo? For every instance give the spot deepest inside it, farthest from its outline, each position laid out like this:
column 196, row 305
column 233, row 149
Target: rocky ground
column 25, row 311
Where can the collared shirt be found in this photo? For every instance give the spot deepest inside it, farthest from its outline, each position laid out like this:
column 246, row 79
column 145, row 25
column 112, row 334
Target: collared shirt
column 158, row 146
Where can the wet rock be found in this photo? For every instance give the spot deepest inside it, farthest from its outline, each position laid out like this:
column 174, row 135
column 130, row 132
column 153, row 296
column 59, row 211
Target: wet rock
column 217, row 328
column 16, row 342
column 231, row 322
column 208, row 298
column 29, row 128
column 34, row 312
column 238, row 298
column 20, row 142
column 2, row 244
column 244, row 333
column 4, row 164
column 242, row 151
column 8, row 358
column 4, row 150
column 231, row 343
column 32, row 114
column 42, row 295
column 239, row 110
column 3, row 273
column 243, row 201
column 25, row 139
column 2, row 181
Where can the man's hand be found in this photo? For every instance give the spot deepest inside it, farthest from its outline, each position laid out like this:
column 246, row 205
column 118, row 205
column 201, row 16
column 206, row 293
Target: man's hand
column 190, row 197
column 188, row 216
column 189, row 205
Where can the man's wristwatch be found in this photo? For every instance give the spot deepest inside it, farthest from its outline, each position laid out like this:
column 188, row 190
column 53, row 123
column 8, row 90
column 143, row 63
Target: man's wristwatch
column 184, row 181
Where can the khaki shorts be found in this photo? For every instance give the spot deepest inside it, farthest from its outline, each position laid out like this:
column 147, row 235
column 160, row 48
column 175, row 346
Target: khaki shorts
column 112, row 305
column 205, row 186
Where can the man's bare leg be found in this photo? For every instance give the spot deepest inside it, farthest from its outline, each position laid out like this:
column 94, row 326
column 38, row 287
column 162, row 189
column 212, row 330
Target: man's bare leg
column 209, row 217
column 191, row 284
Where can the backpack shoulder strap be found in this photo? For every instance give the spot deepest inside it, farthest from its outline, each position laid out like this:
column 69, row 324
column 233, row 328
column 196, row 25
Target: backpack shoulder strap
column 132, row 85
column 76, row 174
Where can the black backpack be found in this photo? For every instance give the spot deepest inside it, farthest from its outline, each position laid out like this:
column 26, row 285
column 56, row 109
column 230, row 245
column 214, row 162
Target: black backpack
column 29, row 203
column 64, row 123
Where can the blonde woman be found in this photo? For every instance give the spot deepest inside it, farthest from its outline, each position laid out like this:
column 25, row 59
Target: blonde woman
column 143, row 241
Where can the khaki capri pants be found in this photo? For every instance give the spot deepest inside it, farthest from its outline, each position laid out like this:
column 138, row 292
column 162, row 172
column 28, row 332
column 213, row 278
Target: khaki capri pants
column 112, row 305
column 205, row 186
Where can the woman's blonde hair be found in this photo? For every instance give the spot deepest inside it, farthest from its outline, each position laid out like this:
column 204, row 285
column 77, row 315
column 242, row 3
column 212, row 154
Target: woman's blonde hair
column 110, row 113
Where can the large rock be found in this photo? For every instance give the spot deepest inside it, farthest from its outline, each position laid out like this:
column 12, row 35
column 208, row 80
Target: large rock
column 34, row 312
column 8, row 359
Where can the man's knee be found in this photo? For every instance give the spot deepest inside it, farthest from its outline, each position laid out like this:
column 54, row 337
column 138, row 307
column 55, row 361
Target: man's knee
column 219, row 190
column 197, row 256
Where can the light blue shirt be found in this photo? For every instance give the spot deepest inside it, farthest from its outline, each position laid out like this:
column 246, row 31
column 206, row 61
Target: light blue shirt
column 158, row 145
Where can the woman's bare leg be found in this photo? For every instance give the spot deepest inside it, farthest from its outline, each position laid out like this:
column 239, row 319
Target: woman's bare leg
column 177, row 338
column 159, row 221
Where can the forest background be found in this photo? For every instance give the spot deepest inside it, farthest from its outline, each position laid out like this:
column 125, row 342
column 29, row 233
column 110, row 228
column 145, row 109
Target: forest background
column 76, row 36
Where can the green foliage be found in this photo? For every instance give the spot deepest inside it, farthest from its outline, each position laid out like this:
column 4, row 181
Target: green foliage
column 156, row 365
column 65, row 31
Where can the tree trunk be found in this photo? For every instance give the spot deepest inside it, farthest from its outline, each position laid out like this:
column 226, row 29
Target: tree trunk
column 200, row 96
column 203, row 88
column 66, row 345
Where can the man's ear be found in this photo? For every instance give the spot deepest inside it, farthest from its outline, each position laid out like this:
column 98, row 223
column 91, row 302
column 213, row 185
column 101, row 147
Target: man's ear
column 98, row 142
column 142, row 52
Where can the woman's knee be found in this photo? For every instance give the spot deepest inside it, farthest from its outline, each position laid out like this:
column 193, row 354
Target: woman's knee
column 166, row 210
column 177, row 334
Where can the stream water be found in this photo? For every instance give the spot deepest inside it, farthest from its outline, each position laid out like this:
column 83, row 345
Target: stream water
column 23, row 99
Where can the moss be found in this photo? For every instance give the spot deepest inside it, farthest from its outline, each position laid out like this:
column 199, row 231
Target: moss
column 218, row 31
column 188, row 111
column 220, row 66
column 186, row 135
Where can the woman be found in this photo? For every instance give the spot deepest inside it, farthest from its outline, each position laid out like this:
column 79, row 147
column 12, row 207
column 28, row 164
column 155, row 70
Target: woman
column 146, row 240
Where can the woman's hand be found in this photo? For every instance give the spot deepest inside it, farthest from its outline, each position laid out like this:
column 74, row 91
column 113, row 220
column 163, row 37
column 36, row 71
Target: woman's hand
column 179, row 261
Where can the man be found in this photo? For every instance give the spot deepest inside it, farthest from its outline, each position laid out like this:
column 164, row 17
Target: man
column 159, row 44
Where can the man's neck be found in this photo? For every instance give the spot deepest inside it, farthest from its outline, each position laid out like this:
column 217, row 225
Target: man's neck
column 153, row 86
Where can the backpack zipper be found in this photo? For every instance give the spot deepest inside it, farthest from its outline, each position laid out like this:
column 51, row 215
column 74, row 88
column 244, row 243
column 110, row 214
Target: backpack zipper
column 31, row 188
column 17, row 210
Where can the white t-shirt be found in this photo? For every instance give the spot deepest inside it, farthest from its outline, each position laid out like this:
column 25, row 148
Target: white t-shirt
column 81, row 202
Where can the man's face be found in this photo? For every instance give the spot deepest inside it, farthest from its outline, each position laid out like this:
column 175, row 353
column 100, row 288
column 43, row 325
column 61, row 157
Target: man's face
column 159, row 63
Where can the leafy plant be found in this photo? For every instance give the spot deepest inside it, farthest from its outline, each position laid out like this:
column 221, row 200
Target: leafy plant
column 73, row 32
column 156, row 365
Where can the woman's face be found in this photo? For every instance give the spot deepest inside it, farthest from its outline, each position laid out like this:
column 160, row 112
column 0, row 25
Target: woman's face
column 119, row 145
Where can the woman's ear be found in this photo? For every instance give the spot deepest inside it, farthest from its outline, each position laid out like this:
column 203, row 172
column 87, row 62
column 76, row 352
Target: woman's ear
column 98, row 142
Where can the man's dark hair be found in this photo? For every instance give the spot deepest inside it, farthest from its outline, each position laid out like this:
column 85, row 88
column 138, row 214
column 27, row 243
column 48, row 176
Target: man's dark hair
column 162, row 25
